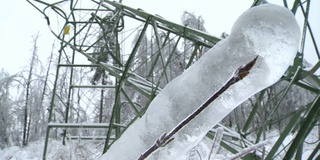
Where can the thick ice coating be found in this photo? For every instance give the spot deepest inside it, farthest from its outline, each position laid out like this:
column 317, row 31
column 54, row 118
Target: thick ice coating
column 268, row 30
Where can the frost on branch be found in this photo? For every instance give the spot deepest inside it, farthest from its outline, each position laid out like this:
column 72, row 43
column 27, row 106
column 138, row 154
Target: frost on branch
column 216, row 142
column 249, row 150
column 268, row 30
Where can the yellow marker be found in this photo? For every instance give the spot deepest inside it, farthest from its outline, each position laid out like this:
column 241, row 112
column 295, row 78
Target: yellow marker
column 66, row 29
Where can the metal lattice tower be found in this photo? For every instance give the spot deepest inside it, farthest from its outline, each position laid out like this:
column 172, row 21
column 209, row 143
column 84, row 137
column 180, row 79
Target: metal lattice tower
column 94, row 39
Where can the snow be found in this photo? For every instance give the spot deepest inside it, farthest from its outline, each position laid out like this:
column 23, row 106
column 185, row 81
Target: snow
column 74, row 150
column 1, row 155
column 268, row 30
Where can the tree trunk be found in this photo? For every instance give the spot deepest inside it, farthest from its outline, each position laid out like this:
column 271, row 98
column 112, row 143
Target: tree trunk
column 27, row 119
column 101, row 106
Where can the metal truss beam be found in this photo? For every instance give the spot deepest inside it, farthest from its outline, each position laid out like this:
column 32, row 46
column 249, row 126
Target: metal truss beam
column 90, row 29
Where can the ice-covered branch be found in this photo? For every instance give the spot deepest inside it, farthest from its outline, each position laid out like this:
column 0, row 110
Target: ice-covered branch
column 216, row 142
column 238, row 75
column 249, row 150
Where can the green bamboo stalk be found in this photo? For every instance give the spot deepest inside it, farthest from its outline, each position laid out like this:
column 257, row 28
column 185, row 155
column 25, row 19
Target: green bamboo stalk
column 314, row 152
column 295, row 77
column 253, row 112
column 294, row 120
column 306, row 127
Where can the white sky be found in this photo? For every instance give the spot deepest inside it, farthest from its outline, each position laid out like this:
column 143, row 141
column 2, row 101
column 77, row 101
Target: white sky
column 19, row 21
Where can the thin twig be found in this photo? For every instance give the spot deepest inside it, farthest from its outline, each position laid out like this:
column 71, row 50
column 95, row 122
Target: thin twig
column 216, row 142
column 165, row 138
column 248, row 150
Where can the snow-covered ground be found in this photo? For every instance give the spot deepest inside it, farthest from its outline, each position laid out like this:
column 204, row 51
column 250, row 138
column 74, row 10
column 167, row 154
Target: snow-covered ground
column 86, row 150
column 73, row 150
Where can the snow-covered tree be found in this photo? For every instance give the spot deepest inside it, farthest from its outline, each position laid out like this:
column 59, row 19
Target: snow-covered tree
column 6, row 101
column 189, row 19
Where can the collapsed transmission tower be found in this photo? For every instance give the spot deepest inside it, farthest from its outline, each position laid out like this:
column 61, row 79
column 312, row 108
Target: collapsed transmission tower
column 92, row 37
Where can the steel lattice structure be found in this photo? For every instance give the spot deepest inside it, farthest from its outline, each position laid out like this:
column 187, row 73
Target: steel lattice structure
column 81, row 31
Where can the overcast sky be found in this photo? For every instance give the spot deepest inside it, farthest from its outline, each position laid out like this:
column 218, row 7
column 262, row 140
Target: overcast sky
column 19, row 21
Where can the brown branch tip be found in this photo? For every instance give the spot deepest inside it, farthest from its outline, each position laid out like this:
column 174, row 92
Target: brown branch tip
column 244, row 70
